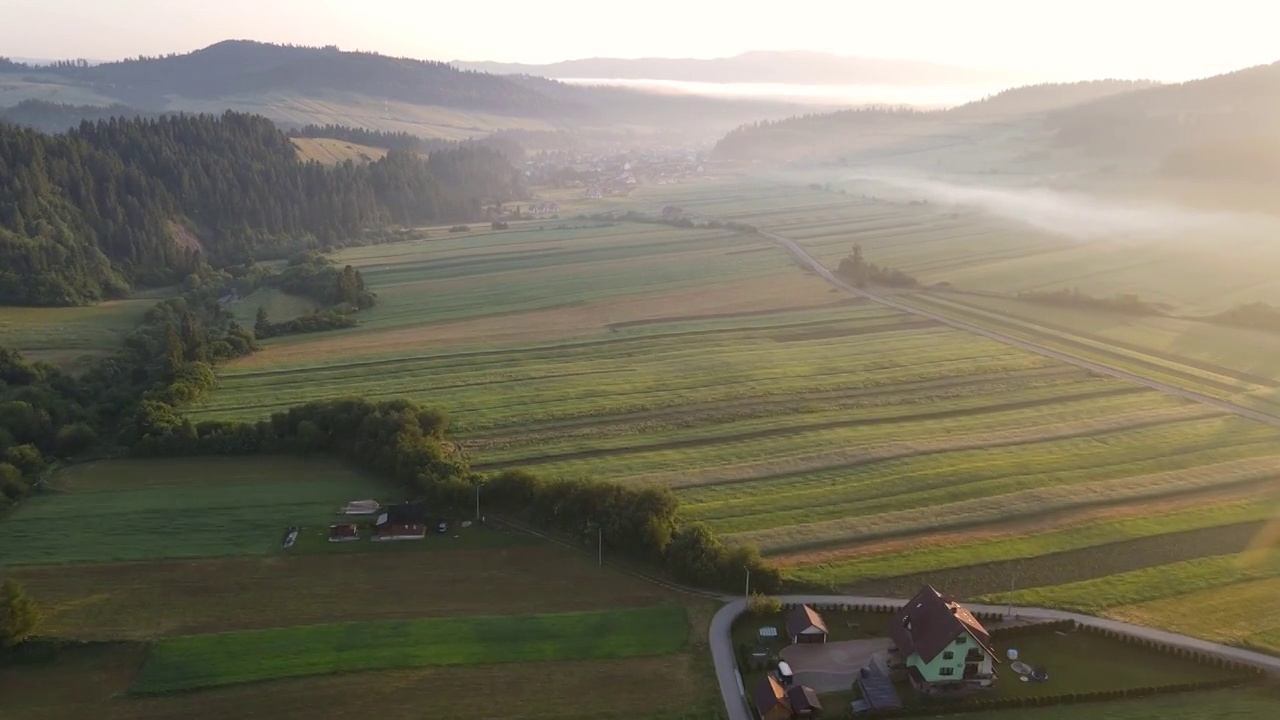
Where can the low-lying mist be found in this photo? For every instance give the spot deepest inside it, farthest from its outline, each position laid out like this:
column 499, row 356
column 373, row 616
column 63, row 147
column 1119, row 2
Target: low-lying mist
column 1074, row 214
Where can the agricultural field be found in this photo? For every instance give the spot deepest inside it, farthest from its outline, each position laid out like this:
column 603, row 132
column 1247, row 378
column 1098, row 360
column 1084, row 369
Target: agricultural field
column 200, row 661
column 484, row 607
column 71, row 337
column 159, row 509
column 329, row 151
column 860, row 447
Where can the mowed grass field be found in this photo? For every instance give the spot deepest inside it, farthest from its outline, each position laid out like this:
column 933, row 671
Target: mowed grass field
column 542, row 629
column 328, row 151
column 186, row 663
column 155, row 509
column 71, row 337
column 858, row 446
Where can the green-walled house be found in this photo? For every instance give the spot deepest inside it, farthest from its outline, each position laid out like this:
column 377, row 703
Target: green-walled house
column 942, row 645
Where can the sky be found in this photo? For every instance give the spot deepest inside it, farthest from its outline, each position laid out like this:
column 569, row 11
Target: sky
column 1165, row 40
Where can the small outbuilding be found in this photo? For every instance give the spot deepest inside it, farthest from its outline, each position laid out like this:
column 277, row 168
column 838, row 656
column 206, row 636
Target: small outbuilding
column 805, row 625
column 361, row 507
column 804, row 701
column 343, row 532
column 771, row 699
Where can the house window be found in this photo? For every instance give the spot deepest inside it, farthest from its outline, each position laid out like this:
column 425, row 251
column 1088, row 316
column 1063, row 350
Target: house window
column 948, row 655
column 961, row 640
column 947, row 671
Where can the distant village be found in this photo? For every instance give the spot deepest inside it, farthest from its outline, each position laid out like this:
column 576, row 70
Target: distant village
column 601, row 175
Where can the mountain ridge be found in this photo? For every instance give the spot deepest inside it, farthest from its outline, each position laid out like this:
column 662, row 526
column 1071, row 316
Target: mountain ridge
column 759, row 66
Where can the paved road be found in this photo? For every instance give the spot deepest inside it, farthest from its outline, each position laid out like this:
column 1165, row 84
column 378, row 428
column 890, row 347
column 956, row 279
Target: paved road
column 799, row 253
column 735, row 703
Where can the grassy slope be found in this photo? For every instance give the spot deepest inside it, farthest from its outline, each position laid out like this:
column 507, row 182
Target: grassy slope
column 211, row 660
column 140, row 510
column 329, row 151
column 71, row 337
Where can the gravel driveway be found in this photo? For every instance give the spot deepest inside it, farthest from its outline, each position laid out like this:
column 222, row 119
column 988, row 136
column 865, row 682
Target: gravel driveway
column 831, row 666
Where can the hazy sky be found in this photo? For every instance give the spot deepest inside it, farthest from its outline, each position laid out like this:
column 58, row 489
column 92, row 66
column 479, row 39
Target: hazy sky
column 1161, row 39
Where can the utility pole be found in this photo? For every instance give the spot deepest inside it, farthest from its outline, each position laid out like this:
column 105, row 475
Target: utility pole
column 746, row 594
column 477, row 502
column 600, row 545
column 1013, row 575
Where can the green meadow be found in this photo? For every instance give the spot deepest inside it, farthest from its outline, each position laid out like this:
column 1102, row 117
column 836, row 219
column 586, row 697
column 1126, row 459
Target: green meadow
column 127, row 510
column 201, row 661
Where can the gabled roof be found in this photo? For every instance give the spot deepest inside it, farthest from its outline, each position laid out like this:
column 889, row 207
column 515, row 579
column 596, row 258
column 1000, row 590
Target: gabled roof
column 406, row 514
column 803, row 699
column 803, row 617
column 930, row 622
column 767, row 693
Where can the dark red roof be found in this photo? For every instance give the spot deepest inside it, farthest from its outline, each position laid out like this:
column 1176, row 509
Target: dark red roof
column 929, row 622
column 343, row 530
column 803, row 617
column 803, row 700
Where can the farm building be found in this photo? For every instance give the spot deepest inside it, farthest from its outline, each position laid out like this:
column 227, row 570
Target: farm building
column 775, row 702
column 543, row 208
column 804, row 701
column 343, row 532
column 401, row 522
column 771, row 700
column 942, row 645
column 361, row 507
column 805, row 625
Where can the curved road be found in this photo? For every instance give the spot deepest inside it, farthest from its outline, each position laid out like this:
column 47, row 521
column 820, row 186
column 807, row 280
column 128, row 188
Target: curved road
column 799, row 253
column 735, row 702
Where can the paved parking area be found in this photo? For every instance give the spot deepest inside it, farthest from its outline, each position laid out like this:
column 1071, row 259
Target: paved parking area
column 831, row 666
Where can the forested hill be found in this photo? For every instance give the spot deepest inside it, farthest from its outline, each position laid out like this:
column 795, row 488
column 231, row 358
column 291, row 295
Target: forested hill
column 835, row 132
column 88, row 213
column 242, row 67
column 326, row 85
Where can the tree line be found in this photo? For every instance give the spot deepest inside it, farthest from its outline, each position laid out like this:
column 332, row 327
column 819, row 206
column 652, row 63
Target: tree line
column 858, row 270
column 165, row 363
column 407, row 443
column 87, row 214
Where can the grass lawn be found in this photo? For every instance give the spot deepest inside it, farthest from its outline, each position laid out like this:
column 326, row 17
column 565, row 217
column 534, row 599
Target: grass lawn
column 197, row 661
column 118, row 510
column 1078, row 662
column 1218, row 705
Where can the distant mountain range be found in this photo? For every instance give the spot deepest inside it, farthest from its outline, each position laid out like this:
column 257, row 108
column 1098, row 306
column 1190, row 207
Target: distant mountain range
column 1220, row 128
column 792, row 67
column 301, row 85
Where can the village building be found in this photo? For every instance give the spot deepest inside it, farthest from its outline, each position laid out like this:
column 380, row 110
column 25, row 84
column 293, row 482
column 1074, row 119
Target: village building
column 805, row 625
column 343, row 532
column 774, row 701
column 401, row 522
column 941, row 644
